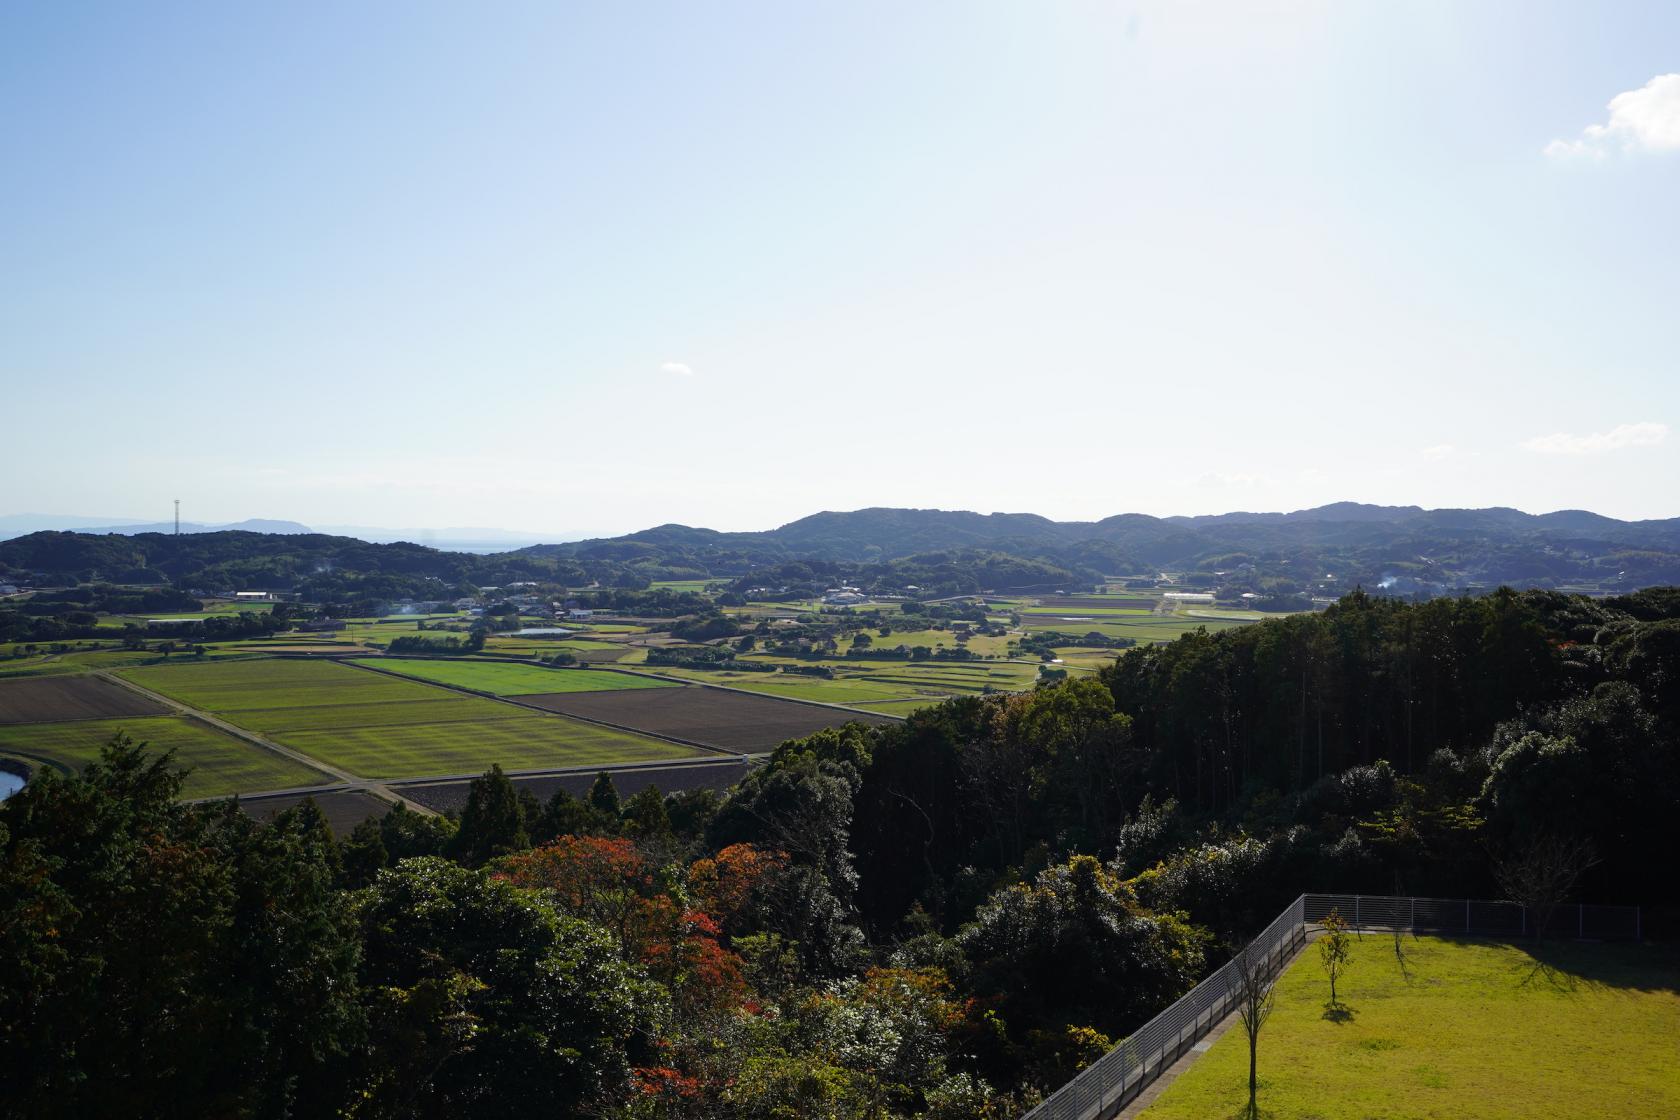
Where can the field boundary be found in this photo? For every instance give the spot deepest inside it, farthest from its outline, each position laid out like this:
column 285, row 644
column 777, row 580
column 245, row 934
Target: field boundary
column 550, row 712
column 374, row 788
column 763, row 695
column 1106, row 1086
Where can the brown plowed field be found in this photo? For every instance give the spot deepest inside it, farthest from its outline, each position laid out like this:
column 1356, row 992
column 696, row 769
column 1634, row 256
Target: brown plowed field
column 344, row 810
column 734, row 721
column 57, row 699
column 451, row 797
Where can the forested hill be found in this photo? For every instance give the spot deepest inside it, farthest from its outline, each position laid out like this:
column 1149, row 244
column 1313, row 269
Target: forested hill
column 320, row 566
column 1328, row 550
column 1428, row 551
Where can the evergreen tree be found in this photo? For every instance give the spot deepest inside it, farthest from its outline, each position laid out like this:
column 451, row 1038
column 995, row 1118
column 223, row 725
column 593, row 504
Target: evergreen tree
column 365, row 854
column 603, row 795
column 492, row 823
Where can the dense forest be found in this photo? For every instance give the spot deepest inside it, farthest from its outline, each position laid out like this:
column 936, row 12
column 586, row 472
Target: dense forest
column 939, row 918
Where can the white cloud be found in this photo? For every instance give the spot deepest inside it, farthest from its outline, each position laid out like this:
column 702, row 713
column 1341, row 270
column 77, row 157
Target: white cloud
column 1438, row 451
column 1644, row 434
column 679, row 369
column 1645, row 119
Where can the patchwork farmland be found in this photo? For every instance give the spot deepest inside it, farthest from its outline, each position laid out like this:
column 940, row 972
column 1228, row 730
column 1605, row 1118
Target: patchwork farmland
column 510, row 679
column 716, row 717
column 62, row 698
column 380, row 726
column 219, row 763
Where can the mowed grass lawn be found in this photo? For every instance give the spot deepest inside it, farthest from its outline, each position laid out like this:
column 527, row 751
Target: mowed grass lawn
column 503, row 679
column 379, row 726
column 217, row 762
column 1469, row 1031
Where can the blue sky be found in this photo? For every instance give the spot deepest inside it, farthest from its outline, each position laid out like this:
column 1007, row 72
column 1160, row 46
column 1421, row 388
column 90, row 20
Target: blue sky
column 560, row 267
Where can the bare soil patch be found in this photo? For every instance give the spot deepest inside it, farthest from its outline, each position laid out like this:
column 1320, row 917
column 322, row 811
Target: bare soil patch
column 451, row 797
column 734, row 721
column 57, row 699
column 344, row 810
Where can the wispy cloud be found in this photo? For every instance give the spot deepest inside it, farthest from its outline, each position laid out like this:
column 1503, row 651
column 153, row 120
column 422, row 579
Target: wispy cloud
column 1437, row 452
column 1645, row 119
column 1645, row 434
column 677, row 369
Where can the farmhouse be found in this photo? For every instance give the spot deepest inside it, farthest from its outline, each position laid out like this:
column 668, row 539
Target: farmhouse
column 254, row 596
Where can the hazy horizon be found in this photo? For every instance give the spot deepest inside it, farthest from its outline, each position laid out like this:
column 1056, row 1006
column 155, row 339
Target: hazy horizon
column 728, row 266
column 459, row 533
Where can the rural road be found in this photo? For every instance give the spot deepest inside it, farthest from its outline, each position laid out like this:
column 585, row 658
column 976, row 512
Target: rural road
column 346, row 780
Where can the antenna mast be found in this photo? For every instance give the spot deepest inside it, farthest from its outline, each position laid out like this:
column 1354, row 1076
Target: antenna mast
column 177, row 517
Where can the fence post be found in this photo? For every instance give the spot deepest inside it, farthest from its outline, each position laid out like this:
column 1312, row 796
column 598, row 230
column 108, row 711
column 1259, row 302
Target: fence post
column 1413, row 923
column 1356, row 924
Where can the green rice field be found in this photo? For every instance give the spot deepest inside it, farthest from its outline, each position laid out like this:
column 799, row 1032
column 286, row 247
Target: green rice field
column 380, row 726
column 219, row 763
column 504, row 679
column 1462, row 1028
column 847, row 690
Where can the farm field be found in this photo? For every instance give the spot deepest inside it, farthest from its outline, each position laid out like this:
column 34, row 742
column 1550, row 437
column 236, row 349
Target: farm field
column 220, row 764
column 846, row 690
column 1060, row 611
column 900, row 708
column 730, row 720
column 344, row 810
column 109, row 656
column 956, row 677
column 52, row 699
column 1066, row 603
column 1142, row 628
column 1469, row 1029
column 679, row 585
column 505, row 679
column 379, row 726
column 40, row 665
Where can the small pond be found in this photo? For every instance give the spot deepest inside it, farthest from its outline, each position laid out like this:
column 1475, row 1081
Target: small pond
column 10, row 783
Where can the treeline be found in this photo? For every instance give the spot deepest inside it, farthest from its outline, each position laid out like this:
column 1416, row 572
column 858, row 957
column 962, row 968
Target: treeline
column 316, row 567
column 76, row 625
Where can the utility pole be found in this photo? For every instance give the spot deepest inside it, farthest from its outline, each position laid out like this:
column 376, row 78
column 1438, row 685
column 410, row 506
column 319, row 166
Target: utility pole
column 177, row 517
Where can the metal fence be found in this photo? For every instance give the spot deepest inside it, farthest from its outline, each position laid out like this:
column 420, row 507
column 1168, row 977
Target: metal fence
column 1108, row 1084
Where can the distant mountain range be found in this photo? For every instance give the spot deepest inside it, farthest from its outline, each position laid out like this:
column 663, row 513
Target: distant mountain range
column 1338, row 545
column 1312, row 552
column 453, row 538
